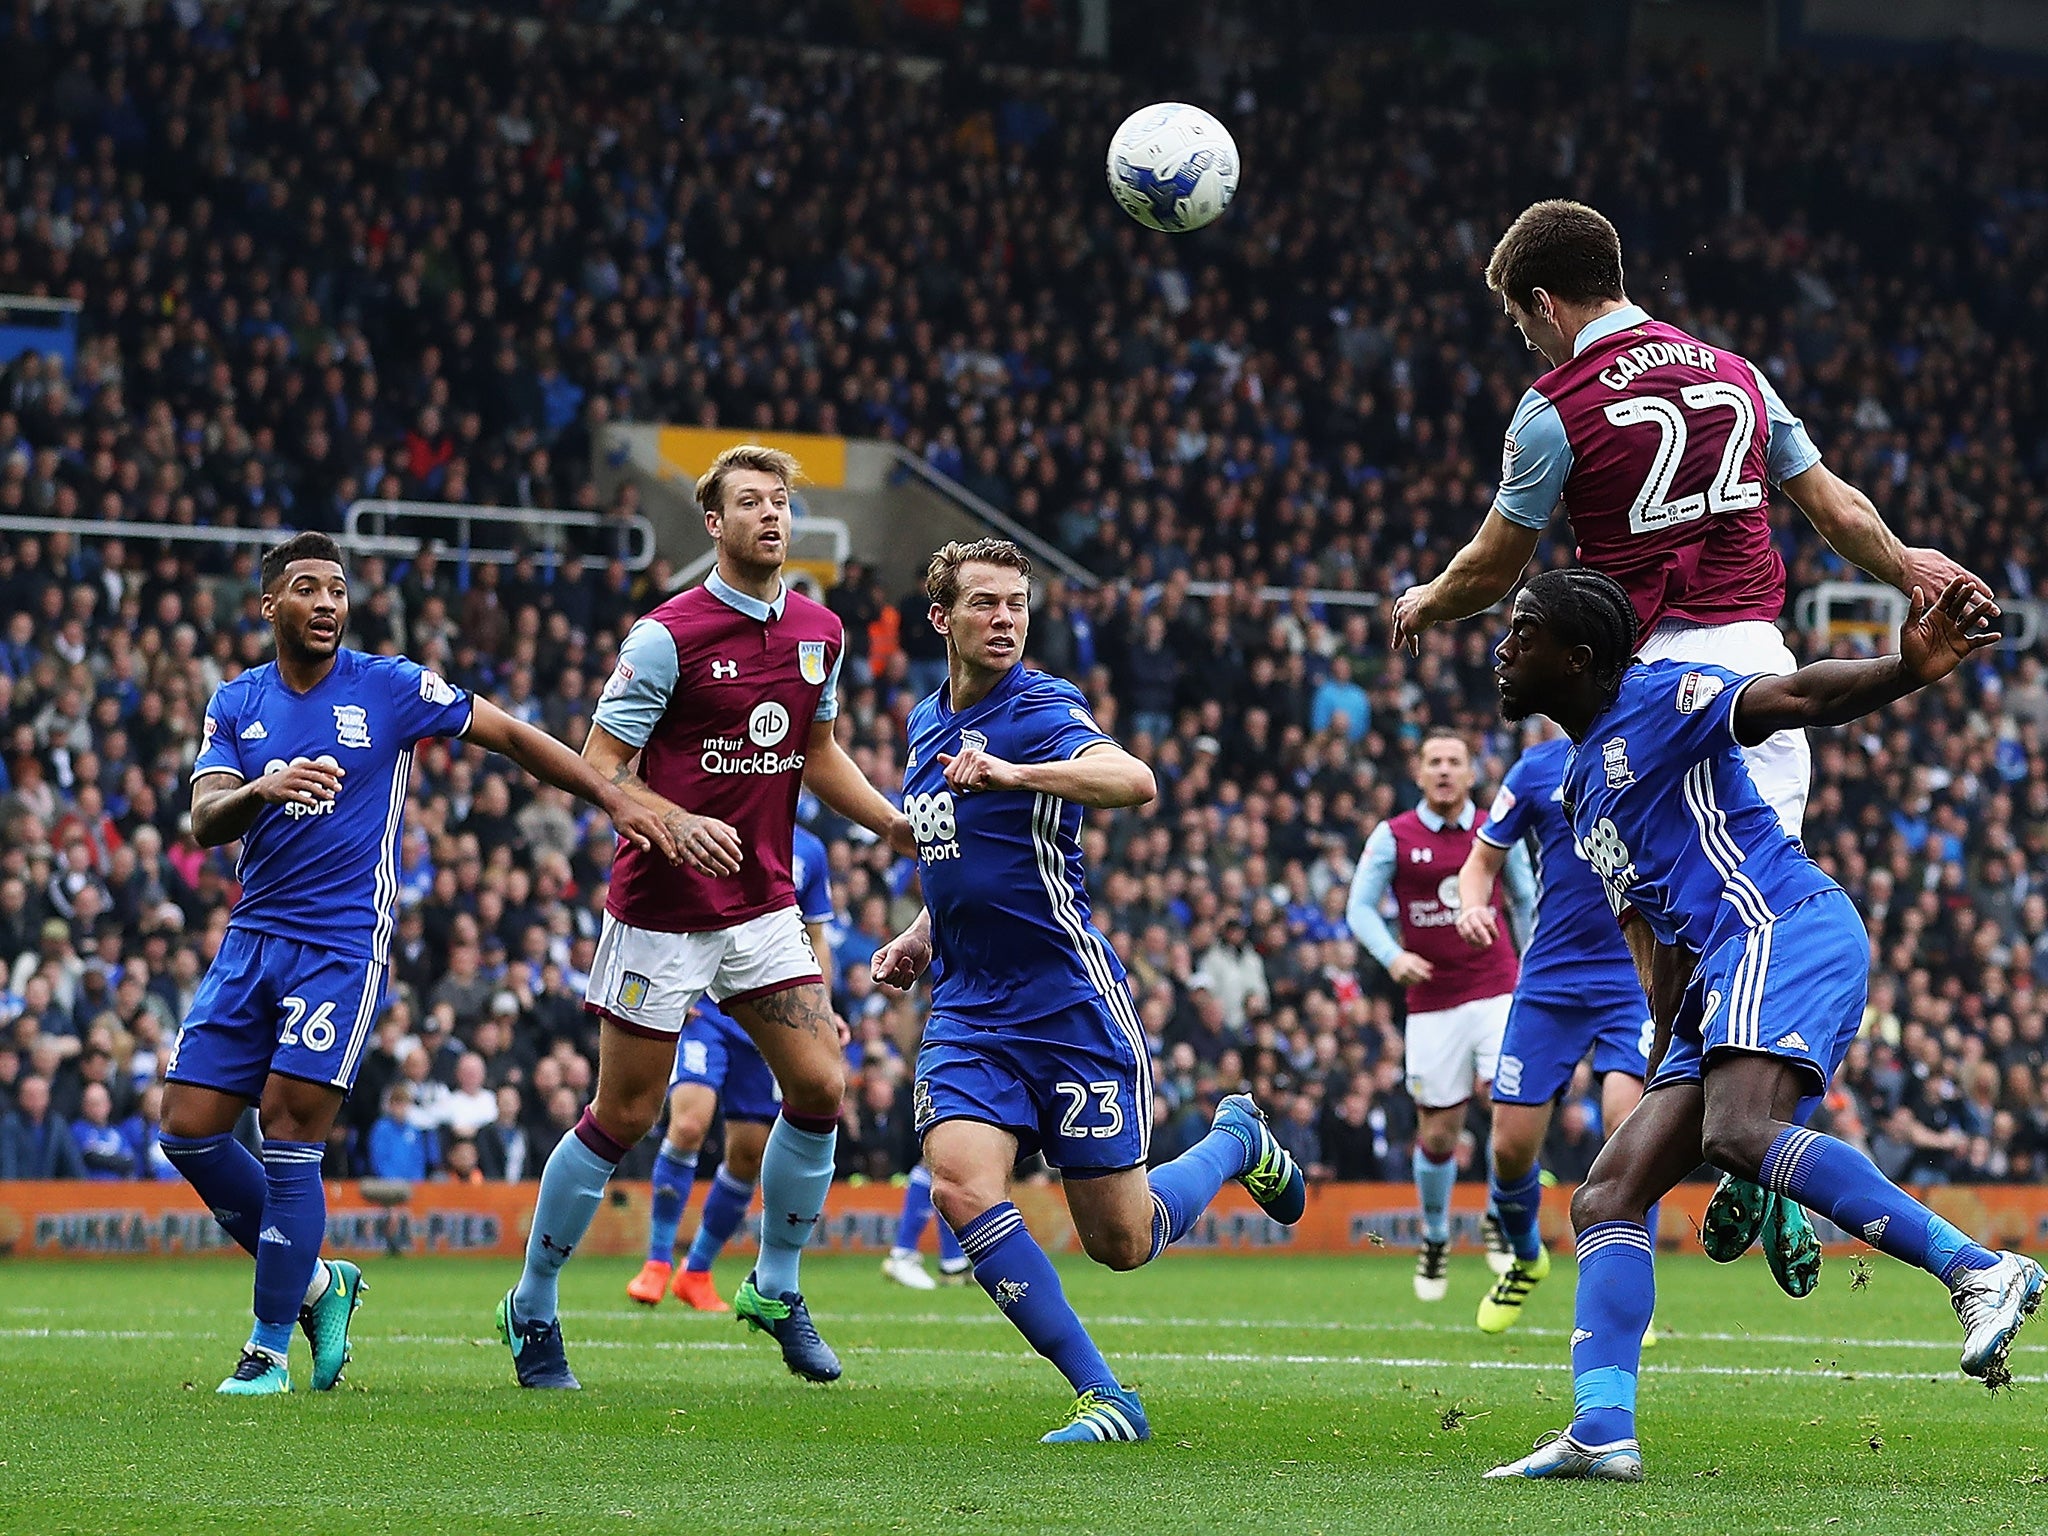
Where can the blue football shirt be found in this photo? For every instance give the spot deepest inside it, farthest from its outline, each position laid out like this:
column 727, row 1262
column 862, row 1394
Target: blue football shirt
column 1577, row 951
column 813, row 877
column 1666, row 813
column 1001, row 869
column 328, row 875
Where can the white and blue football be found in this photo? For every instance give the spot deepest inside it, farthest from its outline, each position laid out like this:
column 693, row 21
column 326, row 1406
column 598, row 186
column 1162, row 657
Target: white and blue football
column 1173, row 167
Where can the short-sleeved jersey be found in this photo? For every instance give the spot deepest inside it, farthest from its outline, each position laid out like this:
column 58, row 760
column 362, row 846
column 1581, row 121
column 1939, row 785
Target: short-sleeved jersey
column 1577, row 951
column 1666, row 813
column 1428, row 853
column 719, row 691
column 812, row 876
column 1001, row 869
column 328, row 875
column 1662, row 449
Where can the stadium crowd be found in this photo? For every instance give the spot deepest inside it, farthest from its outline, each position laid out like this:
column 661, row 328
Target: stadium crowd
column 358, row 252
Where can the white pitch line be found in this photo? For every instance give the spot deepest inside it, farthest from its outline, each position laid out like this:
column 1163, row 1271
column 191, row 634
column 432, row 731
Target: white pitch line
column 984, row 1319
column 1021, row 1357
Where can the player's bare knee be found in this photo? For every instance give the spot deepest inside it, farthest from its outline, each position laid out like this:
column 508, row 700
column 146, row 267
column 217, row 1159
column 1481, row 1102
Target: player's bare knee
column 1735, row 1139
column 962, row 1201
column 1599, row 1200
column 1119, row 1247
column 817, row 1089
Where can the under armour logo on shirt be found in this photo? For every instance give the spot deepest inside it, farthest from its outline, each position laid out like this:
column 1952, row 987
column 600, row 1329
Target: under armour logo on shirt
column 725, row 669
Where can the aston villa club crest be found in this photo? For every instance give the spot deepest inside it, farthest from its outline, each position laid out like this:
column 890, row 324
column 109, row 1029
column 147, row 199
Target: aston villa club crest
column 810, row 660
column 633, row 989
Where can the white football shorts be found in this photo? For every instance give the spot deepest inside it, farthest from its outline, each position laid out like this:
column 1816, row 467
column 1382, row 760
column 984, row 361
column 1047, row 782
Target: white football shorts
column 1449, row 1049
column 647, row 982
column 1782, row 765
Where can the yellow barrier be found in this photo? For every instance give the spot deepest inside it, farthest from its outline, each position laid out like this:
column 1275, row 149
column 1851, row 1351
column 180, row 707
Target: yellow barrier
column 688, row 451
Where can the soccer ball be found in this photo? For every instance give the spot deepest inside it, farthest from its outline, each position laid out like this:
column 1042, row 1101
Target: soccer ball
column 1173, row 167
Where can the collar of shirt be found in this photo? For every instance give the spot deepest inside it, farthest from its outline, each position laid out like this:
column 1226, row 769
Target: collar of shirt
column 1608, row 324
column 752, row 607
column 1436, row 823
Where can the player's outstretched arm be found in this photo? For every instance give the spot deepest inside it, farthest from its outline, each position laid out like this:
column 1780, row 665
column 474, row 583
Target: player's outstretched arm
column 225, row 806
column 1844, row 516
column 1933, row 642
column 837, row 780
column 1479, row 575
column 706, row 844
column 552, row 763
column 1103, row 777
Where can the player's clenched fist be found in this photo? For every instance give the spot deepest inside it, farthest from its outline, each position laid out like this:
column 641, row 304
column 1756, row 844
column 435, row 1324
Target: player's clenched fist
column 975, row 768
column 901, row 961
column 1479, row 926
column 706, row 844
column 303, row 782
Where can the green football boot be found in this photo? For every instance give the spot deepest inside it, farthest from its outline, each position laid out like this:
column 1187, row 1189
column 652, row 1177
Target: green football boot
column 258, row 1373
column 1790, row 1248
column 326, row 1322
column 1735, row 1217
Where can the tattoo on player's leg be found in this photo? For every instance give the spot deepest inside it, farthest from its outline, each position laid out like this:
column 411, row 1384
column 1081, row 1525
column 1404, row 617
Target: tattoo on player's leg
column 796, row 1008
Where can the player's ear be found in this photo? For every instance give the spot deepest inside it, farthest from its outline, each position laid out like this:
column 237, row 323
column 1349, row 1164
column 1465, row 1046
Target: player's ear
column 938, row 618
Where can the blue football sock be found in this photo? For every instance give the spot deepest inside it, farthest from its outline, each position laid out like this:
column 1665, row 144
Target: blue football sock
column 1518, row 1205
column 1650, row 1224
column 950, row 1251
column 227, row 1176
column 796, row 1172
column 294, row 1224
column 1183, row 1188
column 674, row 1173
column 1832, row 1177
column 917, row 1209
column 1433, row 1181
column 1617, row 1294
column 1021, row 1281
column 725, row 1207
column 571, row 1189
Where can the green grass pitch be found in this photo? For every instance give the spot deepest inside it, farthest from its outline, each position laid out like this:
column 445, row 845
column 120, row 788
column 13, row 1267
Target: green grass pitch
column 1290, row 1395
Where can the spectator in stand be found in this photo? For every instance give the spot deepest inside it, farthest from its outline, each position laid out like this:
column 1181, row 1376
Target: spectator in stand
column 401, row 1148
column 34, row 1143
column 102, row 1148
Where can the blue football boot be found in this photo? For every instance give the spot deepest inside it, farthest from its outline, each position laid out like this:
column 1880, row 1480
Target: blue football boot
column 537, row 1352
column 1270, row 1171
column 1099, row 1415
column 787, row 1321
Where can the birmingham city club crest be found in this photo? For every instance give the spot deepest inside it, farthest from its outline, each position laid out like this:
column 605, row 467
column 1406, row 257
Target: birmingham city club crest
column 810, row 660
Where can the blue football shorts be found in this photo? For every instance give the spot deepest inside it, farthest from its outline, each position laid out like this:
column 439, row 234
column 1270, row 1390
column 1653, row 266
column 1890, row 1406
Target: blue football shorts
column 269, row 1004
column 1794, row 989
column 1075, row 1085
column 1547, row 1038
column 716, row 1053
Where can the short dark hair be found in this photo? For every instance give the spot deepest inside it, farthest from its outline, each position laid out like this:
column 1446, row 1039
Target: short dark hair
column 1565, row 248
column 1590, row 608
column 300, row 546
column 1442, row 733
column 942, row 575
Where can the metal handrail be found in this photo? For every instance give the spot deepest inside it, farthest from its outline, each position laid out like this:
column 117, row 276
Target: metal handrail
column 466, row 517
column 1007, row 526
column 172, row 533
